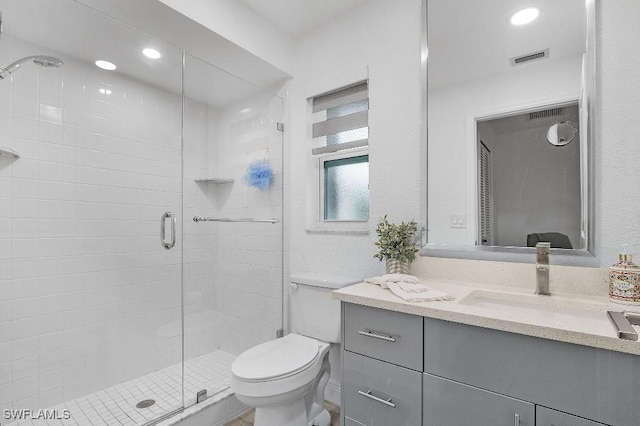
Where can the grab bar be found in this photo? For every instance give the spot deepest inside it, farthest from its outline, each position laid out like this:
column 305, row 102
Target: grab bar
column 228, row 219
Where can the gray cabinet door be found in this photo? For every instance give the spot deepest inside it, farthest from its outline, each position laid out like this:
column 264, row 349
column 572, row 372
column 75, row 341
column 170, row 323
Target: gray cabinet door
column 448, row 403
column 548, row 417
column 585, row 381
column 380, row 394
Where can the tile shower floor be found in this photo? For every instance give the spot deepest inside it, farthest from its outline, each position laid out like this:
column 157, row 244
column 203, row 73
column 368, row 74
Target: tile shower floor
column 117, row 405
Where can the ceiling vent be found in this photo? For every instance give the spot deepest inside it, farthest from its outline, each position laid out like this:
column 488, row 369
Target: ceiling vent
column 542, row 54
column 552, row 112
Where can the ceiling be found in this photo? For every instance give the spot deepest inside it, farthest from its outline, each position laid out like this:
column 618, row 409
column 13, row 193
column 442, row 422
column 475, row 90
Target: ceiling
column 471, row 39
column 295, row 17
column 74, row 32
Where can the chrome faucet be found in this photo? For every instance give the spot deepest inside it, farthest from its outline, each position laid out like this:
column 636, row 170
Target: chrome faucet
column 542, row 268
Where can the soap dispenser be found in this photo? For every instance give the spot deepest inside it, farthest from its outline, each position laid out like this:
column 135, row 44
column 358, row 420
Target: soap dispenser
column 624, row 280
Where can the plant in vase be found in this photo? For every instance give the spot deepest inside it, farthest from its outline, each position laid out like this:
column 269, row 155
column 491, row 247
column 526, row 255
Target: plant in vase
column 396, row 245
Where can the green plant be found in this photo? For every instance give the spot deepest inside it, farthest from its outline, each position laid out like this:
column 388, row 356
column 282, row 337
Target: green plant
column 396, row 241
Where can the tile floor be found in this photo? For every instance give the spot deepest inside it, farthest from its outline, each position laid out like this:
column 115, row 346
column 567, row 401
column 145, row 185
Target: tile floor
column 116, row 406
column 247, row 418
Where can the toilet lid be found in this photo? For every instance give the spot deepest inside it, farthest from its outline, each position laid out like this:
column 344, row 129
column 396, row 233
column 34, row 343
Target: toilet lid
column 276, row 358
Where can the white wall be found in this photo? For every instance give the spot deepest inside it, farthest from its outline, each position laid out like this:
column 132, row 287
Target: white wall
column 241, row 25
column 618, row 129
column 450, row 109
column 379, row 41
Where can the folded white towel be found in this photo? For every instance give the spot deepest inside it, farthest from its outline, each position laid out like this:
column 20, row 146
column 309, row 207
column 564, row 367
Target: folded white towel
column 413, row 288
column 425, row 296
column 377, row 281
column 396, row 278
column 393, row 278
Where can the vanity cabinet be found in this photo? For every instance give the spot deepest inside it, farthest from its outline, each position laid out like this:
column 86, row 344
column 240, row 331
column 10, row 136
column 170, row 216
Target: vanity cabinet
column 583, row 381
column 406, row 370
column 448, row 403
column 548, row 417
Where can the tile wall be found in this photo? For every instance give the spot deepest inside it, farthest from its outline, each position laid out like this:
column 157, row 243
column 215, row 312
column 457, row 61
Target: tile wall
column 249, row 262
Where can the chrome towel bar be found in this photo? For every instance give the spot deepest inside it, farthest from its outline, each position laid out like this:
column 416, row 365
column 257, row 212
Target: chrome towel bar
column 228, row 219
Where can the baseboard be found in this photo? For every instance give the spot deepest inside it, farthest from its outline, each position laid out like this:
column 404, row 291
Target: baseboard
column 332, row 392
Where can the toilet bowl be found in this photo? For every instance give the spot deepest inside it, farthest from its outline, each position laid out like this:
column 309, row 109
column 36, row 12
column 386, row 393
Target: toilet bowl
column 284, row 380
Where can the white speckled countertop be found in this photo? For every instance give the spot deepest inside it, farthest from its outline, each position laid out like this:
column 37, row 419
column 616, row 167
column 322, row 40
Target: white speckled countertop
column 565, row 317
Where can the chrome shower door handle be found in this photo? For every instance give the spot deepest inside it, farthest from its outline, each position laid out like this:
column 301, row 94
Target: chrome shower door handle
column 163, row 227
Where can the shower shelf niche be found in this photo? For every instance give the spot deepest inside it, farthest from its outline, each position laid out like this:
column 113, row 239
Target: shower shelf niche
column 8, row 152
column 215, row 180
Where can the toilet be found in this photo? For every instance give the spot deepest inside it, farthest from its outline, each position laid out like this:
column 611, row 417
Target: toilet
column 285, row 379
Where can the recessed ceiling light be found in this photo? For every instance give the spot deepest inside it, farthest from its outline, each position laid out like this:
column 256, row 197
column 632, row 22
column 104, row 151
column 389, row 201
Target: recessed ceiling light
column 105, row 65
column 524, row 16
column 151, row 53
column 105, row 91
column 245, row 110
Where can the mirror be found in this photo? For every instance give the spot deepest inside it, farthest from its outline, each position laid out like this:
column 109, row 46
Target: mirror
column 508, row 133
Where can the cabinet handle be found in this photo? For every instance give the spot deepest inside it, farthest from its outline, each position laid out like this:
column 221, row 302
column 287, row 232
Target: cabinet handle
column 516, row 420
column 368, row 333
column 386, row 402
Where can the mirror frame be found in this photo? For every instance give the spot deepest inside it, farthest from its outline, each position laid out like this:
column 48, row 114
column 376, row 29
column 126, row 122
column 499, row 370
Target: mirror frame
column 574, row 257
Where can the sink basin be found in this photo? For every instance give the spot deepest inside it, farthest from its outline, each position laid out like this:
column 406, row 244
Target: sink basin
column 554, row 309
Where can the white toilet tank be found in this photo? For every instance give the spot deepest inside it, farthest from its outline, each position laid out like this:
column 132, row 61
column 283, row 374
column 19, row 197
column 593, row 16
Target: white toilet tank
column 312, row 311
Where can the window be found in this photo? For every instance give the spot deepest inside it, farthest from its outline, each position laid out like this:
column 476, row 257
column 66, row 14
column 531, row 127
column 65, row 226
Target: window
column 340, row 141
column 346, row 189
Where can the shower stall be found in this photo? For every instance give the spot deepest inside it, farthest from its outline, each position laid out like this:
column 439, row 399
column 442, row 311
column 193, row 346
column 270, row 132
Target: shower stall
column 116, row 306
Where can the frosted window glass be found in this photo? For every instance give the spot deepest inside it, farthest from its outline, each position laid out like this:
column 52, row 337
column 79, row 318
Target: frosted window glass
column 346, row 189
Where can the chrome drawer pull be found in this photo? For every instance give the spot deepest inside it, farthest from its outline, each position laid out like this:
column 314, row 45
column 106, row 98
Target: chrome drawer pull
column 368, row 333
column 386, row 402
column 516, row 420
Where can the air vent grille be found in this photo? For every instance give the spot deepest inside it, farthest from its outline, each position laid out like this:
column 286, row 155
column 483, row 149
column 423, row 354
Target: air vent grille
column 534, row 56
column 545, row 113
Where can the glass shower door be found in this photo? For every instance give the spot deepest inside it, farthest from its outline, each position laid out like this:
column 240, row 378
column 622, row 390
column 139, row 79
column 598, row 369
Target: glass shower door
column 233, row 243
column 90, row 298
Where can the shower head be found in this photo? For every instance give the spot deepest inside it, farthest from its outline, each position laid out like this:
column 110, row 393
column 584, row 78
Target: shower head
column 41, row 60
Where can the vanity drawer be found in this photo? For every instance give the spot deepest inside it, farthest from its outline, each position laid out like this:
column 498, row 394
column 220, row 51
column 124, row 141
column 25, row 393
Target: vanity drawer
column 380, row 394
column 389, row 336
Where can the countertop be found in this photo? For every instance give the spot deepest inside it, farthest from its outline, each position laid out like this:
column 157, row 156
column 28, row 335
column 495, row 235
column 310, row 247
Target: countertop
column 565, row 317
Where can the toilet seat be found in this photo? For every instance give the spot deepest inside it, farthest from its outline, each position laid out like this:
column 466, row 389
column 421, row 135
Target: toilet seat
column 276, row 359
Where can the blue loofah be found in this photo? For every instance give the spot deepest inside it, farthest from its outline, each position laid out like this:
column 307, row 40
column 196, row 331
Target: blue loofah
column 259, row 175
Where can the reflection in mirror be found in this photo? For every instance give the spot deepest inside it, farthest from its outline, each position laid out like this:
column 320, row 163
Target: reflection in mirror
column 508, row 124
column 561, row 133
column 529, row 189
